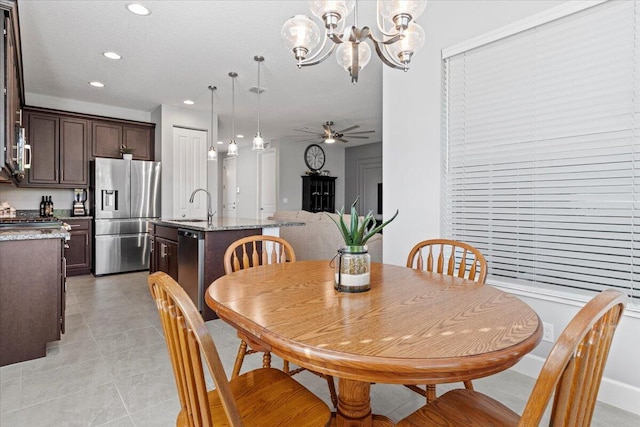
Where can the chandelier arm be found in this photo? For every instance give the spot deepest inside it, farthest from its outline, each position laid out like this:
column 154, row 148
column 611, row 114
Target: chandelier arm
column 379, row 22
column 382, row 54
column 310, row 61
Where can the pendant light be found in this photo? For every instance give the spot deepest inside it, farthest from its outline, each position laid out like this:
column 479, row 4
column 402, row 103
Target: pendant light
column 212, row 154
column 258, row 142
column 233, row 147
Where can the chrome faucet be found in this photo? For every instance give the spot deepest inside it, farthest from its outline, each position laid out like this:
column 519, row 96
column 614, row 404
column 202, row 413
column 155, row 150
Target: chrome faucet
column 210, row 211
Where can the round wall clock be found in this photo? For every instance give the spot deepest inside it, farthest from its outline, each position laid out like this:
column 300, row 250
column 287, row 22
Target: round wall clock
column 314, row 157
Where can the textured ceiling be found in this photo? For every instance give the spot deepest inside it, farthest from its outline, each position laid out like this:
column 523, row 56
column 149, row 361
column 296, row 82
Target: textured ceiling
column 184, row 46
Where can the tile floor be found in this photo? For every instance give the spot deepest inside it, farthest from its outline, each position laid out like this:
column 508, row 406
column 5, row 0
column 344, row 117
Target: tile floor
column 111, row 368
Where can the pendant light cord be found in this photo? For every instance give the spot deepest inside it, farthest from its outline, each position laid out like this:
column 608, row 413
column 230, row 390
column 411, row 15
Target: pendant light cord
column 233, row 108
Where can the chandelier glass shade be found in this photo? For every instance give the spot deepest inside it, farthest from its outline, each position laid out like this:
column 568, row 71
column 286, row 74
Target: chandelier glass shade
column 398, row 40
column 232, row 150
column 212, row 154
column 258, row 141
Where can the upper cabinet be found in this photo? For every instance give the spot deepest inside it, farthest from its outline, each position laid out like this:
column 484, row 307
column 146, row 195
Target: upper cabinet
column 109, row 136
column 63, row 143
column 12, row 80
column 60, row 150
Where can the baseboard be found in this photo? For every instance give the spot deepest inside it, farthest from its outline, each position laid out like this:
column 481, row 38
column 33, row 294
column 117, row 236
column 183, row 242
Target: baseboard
column 612, row 392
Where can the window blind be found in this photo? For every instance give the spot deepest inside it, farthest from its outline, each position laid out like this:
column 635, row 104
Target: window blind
column 541, row 151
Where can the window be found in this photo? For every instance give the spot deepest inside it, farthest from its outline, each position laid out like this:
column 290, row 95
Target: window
column 541, row 149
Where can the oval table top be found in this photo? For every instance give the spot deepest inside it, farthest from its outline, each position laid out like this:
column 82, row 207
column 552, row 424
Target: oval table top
column 411, row 327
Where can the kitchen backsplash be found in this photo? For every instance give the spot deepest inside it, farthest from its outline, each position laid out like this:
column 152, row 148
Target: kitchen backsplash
column 29, row 198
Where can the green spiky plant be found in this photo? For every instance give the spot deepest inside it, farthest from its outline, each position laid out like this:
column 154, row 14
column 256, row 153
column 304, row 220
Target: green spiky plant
column 359, row 231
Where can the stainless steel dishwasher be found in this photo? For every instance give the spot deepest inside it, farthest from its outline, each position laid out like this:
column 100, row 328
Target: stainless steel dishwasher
column 191, row 264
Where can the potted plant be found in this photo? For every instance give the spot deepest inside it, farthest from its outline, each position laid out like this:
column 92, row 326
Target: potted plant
column 127, row 152
column 353, row 263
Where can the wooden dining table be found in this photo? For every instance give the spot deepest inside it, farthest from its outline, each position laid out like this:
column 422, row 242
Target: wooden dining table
column 411, row 327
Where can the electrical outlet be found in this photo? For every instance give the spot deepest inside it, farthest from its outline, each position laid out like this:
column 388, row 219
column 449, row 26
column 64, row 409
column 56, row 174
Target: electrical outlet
column 547, row 332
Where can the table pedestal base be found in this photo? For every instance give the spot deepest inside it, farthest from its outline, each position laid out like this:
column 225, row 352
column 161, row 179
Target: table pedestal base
column 354, row 406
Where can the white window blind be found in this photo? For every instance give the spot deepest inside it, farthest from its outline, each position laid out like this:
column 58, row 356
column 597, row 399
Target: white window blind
column 541, row 151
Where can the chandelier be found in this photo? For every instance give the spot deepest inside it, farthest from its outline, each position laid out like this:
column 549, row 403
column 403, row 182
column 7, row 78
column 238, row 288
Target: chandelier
column 400, row 36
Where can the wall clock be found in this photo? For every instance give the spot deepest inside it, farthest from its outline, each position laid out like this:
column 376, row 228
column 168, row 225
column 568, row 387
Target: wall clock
column 314, row 157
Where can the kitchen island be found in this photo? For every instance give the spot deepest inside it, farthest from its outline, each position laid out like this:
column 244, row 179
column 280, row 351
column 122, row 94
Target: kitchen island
column 192, row 251
column 32, row 291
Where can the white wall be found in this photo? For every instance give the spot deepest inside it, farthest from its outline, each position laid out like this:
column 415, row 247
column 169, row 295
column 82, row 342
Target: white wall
column 411, row 172
column 166, row 117
column 292, row 167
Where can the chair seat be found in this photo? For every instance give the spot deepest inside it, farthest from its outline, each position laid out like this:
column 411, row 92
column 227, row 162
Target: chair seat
column 284, row 402
column 462, row 407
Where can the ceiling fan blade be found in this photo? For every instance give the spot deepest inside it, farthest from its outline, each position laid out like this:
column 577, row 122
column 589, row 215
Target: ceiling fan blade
column 348, row 129
column 361, row 131
column 356, row 137
column 326, row 127
column 341, row 140
column 315, row 132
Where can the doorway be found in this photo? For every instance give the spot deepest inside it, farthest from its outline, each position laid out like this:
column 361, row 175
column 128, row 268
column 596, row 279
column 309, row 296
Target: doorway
column 267, row 183
column 229, row 187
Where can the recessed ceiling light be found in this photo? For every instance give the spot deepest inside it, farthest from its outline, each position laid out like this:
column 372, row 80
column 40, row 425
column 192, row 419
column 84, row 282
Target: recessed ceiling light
column 111, row 55
column 96, row 84
column 221, row 142
column 239, row 136
column 138, row 9
column 188, row 102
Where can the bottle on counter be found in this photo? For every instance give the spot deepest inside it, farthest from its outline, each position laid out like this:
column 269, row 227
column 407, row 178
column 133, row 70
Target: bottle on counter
column 50, row 206
column 42, row 210
column 47, row 206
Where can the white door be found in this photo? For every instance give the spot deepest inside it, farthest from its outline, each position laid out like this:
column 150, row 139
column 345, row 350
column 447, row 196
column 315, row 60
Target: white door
column 189, row 172
column 229, row 184
column 267, row 183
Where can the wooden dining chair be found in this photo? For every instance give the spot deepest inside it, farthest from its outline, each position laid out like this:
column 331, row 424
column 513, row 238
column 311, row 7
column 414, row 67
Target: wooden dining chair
column 571, row 373
column 452, row 258
column 249, row 252
column 263, row 397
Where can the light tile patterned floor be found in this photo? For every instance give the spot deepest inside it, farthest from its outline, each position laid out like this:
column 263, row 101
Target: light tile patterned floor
column 111, row 368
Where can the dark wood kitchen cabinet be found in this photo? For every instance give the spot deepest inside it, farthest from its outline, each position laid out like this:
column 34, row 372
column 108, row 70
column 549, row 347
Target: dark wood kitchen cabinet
column 32, row 299
column 109, row 136
column 78, row 250
column 11, row 79
column 165, row 251
column 60, row 150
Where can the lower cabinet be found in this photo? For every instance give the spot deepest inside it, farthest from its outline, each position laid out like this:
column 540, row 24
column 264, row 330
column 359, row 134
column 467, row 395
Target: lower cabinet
column 32, row 295
column 165, row 251
column 78, row 250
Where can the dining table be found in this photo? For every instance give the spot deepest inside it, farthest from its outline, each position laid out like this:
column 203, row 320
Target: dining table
column 412, row 327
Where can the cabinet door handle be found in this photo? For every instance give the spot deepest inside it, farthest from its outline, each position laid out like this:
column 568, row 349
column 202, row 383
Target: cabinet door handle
column 26, row 149
column 163, row 250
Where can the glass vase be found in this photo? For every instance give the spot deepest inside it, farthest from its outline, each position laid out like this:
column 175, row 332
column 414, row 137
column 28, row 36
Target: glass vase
column 352, row 269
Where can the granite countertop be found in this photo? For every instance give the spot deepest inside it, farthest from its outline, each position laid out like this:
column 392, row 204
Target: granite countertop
column 226, row 223
column 33, row 233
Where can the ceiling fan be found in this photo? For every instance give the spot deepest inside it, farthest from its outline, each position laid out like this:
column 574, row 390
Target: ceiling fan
column 329, row 136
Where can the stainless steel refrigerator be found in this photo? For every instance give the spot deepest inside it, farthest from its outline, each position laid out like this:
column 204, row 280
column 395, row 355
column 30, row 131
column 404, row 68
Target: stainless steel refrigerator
column 125, row 195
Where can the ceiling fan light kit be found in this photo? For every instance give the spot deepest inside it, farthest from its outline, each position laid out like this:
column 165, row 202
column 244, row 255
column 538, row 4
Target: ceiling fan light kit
column 400, row 37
